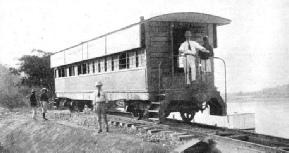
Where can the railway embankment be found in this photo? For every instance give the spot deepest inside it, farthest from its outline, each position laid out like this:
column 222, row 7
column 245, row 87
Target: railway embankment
column 21, row 134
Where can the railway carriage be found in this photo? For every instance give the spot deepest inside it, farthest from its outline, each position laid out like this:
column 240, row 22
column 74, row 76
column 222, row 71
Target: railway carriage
column 141, row 68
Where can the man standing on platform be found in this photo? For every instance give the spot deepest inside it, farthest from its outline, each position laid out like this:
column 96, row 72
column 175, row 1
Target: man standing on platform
column 189, row 49
column 206, row 58
column 99, row 105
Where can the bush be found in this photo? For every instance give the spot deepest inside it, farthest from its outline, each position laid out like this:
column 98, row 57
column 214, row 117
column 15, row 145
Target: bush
column 12, row 94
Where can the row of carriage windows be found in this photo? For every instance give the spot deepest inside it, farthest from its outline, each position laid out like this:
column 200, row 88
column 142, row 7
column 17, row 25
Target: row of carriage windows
column 124, row 60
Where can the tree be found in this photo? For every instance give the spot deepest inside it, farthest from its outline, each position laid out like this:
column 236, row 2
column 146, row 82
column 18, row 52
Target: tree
column 37, row 70
column 11, row 95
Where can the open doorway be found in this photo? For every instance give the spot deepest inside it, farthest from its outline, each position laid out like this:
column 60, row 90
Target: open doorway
column 178, row 39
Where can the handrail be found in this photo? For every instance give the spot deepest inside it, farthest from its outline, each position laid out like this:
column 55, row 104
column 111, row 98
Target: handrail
column 160, row 64
column 225, row 77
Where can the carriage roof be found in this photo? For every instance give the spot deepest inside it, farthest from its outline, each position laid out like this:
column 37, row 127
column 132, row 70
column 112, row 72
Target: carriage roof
column 127, row 37
column 191, row 17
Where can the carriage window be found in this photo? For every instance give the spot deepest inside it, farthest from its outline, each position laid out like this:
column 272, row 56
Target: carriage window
column 140, row 58
column 59, row 72
column 108, row 63
column 84, row 68
column 71, row 71
column 79, row 69
column 55, row 73
column 115, row 61
column 93, row 67
column 62, row 72
column 105, row 64
column 102, row 65
column 132, row 59
column 88, row 68
column 112, row 64
column 123, row 61
column 98, row 65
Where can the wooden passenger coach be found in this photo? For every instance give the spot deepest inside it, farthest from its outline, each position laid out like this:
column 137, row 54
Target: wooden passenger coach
column 140, row 68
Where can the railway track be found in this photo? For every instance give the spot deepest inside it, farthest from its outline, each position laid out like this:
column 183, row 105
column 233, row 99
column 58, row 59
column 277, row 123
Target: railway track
column 235, row 140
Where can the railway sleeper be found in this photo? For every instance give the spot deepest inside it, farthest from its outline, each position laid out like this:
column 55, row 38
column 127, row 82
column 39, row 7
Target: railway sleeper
column 243, row 137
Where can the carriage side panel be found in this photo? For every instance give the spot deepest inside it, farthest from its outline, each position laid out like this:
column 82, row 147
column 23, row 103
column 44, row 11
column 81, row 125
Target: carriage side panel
column 119, row 85
column 158, row 48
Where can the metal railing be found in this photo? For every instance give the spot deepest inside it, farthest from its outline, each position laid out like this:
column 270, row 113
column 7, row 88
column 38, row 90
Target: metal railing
column 225, row 76
column 185, row 72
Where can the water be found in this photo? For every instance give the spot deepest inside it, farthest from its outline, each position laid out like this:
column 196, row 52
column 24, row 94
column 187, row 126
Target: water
column 271, row 115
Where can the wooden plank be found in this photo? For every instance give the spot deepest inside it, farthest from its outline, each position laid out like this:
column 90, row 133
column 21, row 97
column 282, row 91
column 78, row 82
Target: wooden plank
column 159, row 46
column 165, row 39
column 187, row 24
column 158, row 24
column 158, row 29
column 160, row 54
column 160, row 34
column 156, row 61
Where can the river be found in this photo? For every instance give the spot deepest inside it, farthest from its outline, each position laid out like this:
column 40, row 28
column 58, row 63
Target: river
column 271, row 114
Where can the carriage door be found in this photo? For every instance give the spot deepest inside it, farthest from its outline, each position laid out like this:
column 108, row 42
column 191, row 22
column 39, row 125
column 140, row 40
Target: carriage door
column 178, row 39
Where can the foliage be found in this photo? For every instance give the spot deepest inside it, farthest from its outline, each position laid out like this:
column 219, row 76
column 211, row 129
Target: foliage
column 11, row 94
column 37, row 70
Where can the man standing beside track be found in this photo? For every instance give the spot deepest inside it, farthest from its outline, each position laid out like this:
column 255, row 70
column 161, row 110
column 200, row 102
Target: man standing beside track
column 99, row 105
column 189, row 50
column 33, row 103
column 44, row 102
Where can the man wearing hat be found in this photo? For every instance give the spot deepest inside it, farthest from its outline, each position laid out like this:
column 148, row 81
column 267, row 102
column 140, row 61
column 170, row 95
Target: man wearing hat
column 33, row 104
column 99, row 105
column 189, row 49
column 44, row 102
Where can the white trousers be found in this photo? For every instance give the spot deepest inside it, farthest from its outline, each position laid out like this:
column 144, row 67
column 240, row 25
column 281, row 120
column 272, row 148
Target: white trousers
column 33, row 112
column 206, row 65
column 190, row 62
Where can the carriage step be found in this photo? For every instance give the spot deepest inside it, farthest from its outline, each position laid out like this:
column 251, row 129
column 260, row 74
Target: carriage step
column 158, row 103
column 161, row 94
column 153, row 111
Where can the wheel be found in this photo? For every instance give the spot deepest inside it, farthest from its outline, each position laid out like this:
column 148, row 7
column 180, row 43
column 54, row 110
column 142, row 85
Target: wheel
column 61, row 104
column 187, row 116
column 137, row 114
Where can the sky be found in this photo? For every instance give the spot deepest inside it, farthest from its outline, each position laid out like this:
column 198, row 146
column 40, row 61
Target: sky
column 254, row 45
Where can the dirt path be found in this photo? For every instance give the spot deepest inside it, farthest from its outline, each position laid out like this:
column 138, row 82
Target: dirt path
column 20, row 134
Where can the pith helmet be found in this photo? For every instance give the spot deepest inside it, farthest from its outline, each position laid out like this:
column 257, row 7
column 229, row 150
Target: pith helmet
column 44, row 89
column 188, row 33
column 33, row 91
column 98, row 83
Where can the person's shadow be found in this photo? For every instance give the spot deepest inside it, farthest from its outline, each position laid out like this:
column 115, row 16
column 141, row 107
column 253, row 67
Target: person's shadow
column 204, row 147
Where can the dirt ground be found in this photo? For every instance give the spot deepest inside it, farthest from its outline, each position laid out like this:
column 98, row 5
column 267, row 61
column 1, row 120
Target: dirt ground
column 18, row 133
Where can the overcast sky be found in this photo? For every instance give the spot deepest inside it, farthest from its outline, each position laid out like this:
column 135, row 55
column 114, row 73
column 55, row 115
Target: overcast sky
column 254, row 45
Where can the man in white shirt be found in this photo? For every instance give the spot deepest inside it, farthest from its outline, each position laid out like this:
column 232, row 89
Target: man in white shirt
column 99, row 105
column 189, row 49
